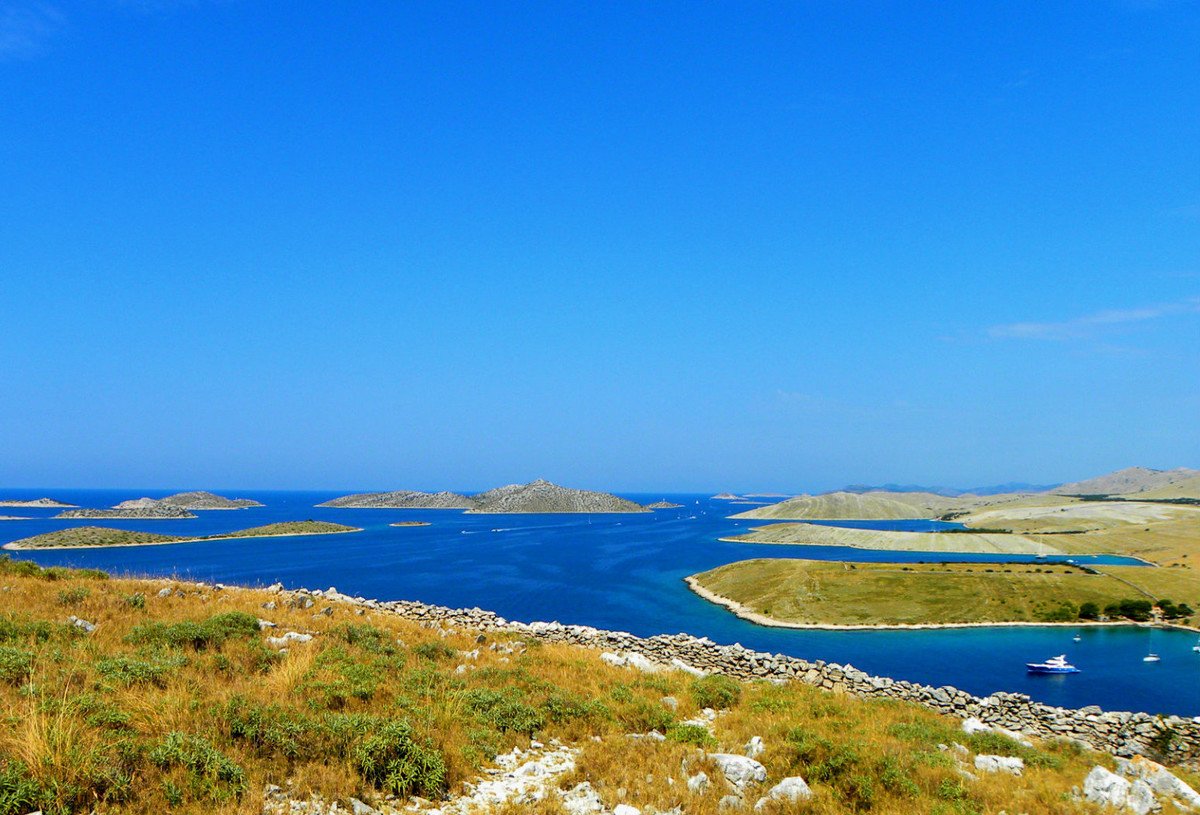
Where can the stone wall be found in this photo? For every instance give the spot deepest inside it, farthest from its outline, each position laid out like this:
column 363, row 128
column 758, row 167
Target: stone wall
column 1175, row 738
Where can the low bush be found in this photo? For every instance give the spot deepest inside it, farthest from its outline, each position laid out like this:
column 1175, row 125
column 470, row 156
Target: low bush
column 15, row 665
column 210, row 633
column 390, row 759
column 210, row 774
column 716, row 691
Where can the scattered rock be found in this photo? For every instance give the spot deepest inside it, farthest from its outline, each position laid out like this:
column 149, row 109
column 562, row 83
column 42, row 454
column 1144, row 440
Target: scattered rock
column 1161, row 780
column 791, row 789
column 83, row 625
column 291, row 636
column 754, row 748
column 698, row 784
column 739, row 771
column 997, row 764
column 626, row 809
column 1105, row 788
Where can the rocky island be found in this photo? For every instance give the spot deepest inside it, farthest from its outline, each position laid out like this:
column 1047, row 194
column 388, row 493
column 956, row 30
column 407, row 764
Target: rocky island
column 401, row 499
column 35, row 503
column 544, row 497
column 146, row 512
column 663, row 505
column 100, row 536
column 535, row 497
column 190, row 500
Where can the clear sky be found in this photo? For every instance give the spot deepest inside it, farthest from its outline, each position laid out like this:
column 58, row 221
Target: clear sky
column 661, row 246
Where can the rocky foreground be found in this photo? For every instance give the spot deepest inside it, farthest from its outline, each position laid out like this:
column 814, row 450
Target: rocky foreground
column 534, row 497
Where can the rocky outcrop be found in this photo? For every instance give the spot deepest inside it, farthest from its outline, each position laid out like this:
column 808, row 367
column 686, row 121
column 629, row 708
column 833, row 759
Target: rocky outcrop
column 146, row 512
column 190, row 500
column 542, row 496
column 401, row 499
column 663, row 505
column 1120, row 733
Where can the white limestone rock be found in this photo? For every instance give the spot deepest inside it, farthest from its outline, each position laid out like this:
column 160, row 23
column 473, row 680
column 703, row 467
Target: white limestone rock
column 698, row 784
column 1161, row 780
column 754, row 748
column 791, row 789
column 1105, row 788
column 999, row 764
column 740, row 771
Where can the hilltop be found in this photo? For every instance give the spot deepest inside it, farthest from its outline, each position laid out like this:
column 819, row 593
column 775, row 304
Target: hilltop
column 1130, row 481
column 851, row 505
column 190, row 500
column 134, row 696
column 542, row 496
column 401, row 499
column 535, row 497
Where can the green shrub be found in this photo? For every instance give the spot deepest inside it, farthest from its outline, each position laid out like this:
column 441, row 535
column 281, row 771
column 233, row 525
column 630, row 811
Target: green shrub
column 392, row 761
column 13, row 629
column 129, row 671
column 641, row 715
column 716, row 691
column 434, row 650
column 269, row 729
column 210, row 633
column 211, row 774
column 1089, row 611
column 15, row 665
column 505, row 710
column 136, row 600
column 560, row 706
column 691, row 734
column 367, row 637
column 18, row 792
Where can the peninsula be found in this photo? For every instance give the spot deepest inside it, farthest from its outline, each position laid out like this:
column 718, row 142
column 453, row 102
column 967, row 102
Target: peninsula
column 82, row 537
column 1152, row 520
column 535, row 497
column 35, row 503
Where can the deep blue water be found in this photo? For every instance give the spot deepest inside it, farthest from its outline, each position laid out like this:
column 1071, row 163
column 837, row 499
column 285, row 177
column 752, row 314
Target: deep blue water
column 625, row 572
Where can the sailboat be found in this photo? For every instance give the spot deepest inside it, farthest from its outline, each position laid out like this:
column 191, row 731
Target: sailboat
column 1196, row 647
column 1152, row 658
column 1077, row 638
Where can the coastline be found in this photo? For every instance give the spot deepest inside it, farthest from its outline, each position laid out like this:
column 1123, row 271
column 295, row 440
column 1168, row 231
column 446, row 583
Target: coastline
column 751, row 616
column 12, row 548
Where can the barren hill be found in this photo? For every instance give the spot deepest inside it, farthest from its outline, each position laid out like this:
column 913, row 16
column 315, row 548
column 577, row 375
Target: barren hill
column 1129, row 481
column 859, row 506
column 542, row 496
column 401, row 499
column 189, row 500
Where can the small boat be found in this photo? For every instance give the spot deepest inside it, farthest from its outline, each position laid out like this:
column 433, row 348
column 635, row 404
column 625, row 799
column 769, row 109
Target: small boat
column 1054, row 665
column 1152, row 658
column 1196, row 647
column 1077, row 638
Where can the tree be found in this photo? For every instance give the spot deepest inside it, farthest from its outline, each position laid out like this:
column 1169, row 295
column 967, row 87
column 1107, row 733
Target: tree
column 1089, row 611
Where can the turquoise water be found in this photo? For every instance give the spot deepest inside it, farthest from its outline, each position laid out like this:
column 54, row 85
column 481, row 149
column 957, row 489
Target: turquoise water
column 625, row 572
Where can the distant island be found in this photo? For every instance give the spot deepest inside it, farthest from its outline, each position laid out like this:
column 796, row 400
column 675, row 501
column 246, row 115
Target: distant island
column 401, row 499
column 663, row 505
column 726, row 496
column 411, row 523
column 190, row 500
column 535, row 497
column 153, row 512
column 99, row 536
column 35, row 503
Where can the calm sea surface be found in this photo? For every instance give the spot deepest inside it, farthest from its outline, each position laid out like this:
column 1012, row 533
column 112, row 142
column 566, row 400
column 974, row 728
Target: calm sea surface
column 625, row 572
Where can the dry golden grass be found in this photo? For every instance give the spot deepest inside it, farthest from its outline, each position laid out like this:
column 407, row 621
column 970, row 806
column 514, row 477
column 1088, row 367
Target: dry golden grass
column 83, row 738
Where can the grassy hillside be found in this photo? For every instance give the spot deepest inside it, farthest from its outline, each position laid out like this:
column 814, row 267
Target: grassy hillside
column 817, row 535
column 180, row 702
column 81, row 536
column 808, row 591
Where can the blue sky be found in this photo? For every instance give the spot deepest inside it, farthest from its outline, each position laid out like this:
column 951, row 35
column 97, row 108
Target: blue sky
column 688, row 246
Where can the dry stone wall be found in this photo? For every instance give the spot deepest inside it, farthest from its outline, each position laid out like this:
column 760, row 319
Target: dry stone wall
column 1175, row 738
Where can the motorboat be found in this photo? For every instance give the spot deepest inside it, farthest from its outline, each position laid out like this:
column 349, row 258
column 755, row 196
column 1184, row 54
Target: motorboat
column 1054, row 665
column 1196, row 647
column 1077, row 638
column 1152, row 658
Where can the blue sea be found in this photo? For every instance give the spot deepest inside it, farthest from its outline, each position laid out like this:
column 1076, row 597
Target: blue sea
column 625, row 572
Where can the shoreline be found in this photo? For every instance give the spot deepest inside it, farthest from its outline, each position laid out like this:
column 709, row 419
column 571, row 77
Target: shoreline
column 751, row 616
column 10, row 547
